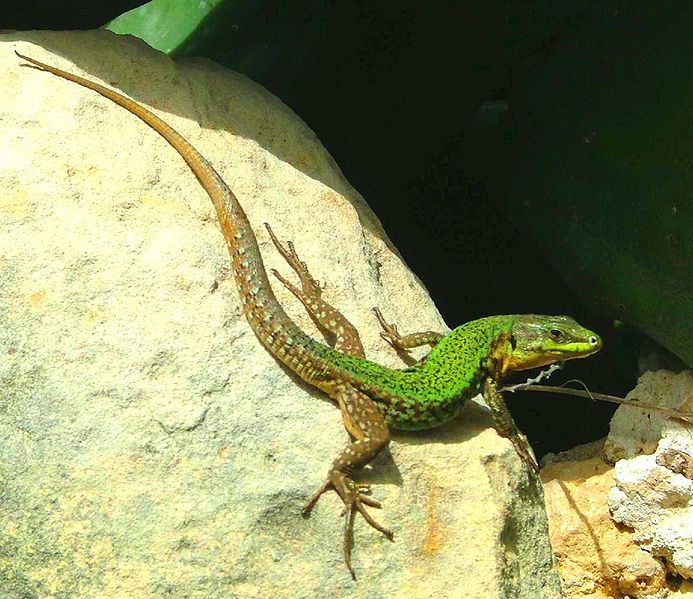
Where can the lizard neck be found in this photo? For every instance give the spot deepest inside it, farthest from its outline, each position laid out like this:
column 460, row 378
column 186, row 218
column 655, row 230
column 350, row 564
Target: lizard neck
column 467, row 355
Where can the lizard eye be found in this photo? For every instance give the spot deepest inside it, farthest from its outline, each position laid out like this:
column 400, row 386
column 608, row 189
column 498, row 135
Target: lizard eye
column 555, row 334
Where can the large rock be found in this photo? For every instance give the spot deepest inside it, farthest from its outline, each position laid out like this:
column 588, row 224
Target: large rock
column 149, row 446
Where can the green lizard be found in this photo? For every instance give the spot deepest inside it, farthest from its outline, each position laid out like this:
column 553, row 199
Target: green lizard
column 473, row 358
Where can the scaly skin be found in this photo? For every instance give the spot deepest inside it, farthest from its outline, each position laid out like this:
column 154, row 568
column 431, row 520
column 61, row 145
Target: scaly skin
column 473, row 358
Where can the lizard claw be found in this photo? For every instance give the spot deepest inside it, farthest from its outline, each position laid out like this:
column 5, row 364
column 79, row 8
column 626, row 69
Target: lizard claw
column 389, row 330
column 370, row 502
column 350, row 511
column 390, row 340
column 306, row 509
column 354, row 502
column 522, row 448
column 288, row 251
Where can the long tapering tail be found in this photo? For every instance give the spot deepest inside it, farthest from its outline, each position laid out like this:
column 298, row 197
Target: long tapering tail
column 269, row 321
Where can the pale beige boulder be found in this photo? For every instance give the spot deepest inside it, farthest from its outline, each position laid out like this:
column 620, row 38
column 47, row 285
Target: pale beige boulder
column 150, row 447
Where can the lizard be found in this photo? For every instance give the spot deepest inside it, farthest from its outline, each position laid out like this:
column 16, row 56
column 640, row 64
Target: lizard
column 473, row 358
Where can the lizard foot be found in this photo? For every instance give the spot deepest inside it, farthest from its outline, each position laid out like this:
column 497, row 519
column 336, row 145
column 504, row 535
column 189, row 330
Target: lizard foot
column 355, row 501
column 403, row 343
column 522, row 448
column 389, row 332
column 311, row 286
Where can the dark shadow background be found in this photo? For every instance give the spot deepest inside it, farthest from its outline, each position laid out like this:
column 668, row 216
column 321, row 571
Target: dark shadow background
column 406, row 101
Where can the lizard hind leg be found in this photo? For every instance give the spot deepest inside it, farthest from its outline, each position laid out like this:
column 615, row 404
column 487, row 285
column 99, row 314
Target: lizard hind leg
column 341, row 334
column 370, row 435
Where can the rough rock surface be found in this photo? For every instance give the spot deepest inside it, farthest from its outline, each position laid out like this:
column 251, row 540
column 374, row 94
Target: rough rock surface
column 149, row 447
column 595, row 557
column 654, row 491
column 621, row 531
column 633, row 432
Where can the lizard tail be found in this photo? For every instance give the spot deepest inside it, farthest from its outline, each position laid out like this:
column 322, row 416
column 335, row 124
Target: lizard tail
column 272, row 325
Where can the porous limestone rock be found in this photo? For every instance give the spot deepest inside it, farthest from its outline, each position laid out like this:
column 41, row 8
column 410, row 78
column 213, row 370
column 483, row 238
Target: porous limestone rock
column 149, row 447
column 632, row 431
column 622, row 531
column 653, row 492
column 596, row 558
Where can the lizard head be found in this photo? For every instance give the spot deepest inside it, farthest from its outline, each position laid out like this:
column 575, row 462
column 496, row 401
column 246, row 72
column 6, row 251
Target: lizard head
column 537, row 340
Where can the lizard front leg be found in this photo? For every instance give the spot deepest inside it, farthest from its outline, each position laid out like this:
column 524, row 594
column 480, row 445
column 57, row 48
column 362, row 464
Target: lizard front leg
column 405, row 342
column 366, row 425
column 506, row 425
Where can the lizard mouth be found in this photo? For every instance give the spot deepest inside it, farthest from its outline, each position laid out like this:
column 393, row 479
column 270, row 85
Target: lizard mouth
column 578, row 349
column 544, row 356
